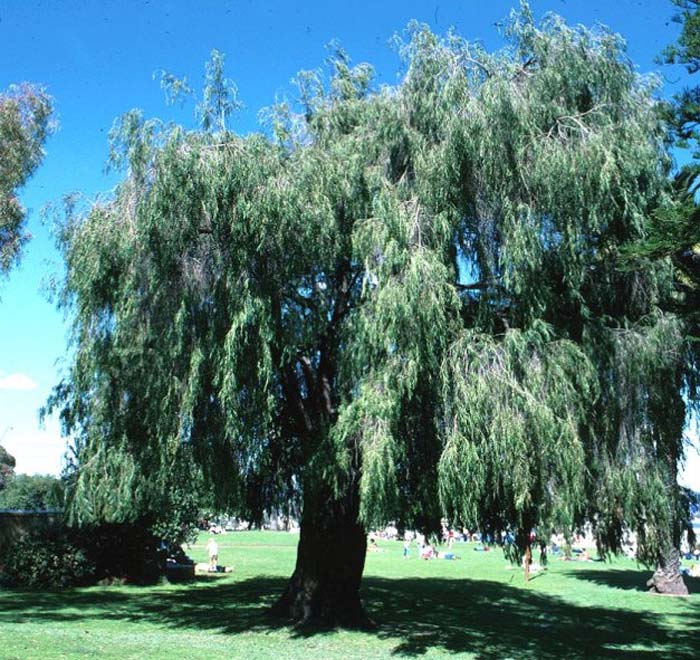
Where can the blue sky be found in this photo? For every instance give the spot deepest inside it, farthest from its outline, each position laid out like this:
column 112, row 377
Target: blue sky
column 97, row 60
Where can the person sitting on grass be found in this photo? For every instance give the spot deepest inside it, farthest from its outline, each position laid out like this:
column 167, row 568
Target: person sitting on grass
column 428, row 552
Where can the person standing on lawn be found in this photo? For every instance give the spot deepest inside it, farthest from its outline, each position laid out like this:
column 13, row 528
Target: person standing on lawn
column 213, row 550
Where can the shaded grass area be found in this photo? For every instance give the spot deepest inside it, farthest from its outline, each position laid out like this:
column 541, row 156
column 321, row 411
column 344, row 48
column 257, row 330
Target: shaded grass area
column 628, row 579
column 471, row 608
column 494, row 620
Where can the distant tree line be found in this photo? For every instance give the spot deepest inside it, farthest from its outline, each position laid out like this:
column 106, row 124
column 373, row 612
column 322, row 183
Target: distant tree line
column 32, row 493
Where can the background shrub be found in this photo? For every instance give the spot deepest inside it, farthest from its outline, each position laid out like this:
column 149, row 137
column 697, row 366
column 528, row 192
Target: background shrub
column 47, row 560
column 123, row 552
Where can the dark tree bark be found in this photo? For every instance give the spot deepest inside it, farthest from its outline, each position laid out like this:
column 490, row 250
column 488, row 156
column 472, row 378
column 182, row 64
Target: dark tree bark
column 324, row 589
column 667, row 578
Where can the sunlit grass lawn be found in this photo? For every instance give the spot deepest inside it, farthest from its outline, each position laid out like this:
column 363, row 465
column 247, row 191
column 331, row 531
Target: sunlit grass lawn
column 474, row 607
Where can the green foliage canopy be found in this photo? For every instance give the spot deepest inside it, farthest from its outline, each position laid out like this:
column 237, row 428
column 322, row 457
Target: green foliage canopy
column 411, row 291
column 674, row 231
column 25, row 122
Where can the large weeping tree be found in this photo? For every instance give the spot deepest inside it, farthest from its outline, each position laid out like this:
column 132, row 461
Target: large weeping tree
column 386, row 306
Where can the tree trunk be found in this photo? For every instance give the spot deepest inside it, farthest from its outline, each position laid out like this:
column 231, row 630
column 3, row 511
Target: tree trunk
column 324, row 589
column 667, row 578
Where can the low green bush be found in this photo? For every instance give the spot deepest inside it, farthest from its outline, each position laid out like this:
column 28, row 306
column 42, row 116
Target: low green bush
column 123, row 552
column 47, row 560
column 76, row 556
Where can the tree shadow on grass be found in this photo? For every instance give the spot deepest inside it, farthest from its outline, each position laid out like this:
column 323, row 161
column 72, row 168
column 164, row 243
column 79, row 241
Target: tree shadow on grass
column 485, row 618
column 627, row 579
column 494, row 620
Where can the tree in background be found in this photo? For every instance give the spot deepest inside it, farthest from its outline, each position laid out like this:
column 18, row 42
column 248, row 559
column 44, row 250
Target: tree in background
column 25, row 123
column 675, row 230
column 401, row 302
column 25, row 112
column 7, row 467
column 32, row 493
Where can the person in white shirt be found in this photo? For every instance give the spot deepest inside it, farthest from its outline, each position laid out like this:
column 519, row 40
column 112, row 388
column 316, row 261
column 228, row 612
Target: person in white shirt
column 213, row 550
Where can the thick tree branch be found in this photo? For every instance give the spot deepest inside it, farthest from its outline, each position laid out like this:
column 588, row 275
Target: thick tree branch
column 288, row 378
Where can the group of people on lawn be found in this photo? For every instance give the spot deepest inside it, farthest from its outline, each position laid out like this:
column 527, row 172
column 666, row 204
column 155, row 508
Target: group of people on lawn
column 426, row 550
